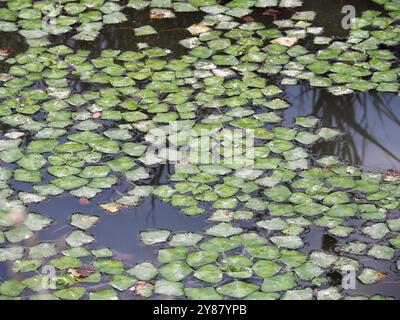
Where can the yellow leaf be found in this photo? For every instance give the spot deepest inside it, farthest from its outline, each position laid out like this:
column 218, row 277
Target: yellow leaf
column 379, row 275
column 112, row 207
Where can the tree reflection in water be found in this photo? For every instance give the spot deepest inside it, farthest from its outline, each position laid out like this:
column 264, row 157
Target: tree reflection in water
column 368, row 119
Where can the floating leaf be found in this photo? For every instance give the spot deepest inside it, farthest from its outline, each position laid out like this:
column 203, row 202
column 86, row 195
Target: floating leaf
column 144, row 31
column 175, row 271
column 109, row 266
column 154, row 236
column 223, row 230
column 286, row 41
column 206, row 293
column 369, row 276
column 112, row 207
column 143, row 271
column 237, row 289
column 279, row 283
column 74, row 293
column 185, row 239
column 169, row 288
column 198, row 28
column 83, row 221
column 78, row 238
column 291, row 242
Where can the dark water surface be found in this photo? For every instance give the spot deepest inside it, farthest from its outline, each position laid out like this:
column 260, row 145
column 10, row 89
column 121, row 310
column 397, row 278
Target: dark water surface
column 370, row 122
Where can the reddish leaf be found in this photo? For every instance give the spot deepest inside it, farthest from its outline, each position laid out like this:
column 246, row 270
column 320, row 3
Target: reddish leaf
column 272, row 12
column 84, row 201
column 392, row 175
column 96, row 115
column 16, row 216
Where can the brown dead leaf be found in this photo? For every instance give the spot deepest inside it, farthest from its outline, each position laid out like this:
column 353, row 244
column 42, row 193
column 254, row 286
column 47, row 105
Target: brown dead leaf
column 378, row 276
column 248, row 19
column 5, row 77
column 226, row 213
column 139, row 288
column 286, row 41
column 112, row 207
column 5, row 52
column 161, row 14
column 82, row 272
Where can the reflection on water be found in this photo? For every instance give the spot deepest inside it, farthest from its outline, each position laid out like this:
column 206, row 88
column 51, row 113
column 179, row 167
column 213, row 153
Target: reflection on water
column 329, row 13
column 122, row 36
column 370, row 121
column 118, row 232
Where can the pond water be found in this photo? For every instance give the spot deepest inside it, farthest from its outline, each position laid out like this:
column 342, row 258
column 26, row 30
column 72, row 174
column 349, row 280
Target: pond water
column 368, row 120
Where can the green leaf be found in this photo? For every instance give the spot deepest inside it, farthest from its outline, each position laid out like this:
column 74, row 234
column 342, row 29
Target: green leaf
column 200, row 258
column 74, row 293
column 279, row 283
column 106, row 294
column 291, row 242
column 266, row 269
column 143, row 271
column 209, row 273
column 223, row 230
column 185, row 239
column 69, row 182
column 11, row 288
column 78, row 238
column 169, row 288
column 18, row 233
column 37, row 222
column 237, row 289
column 172, row 254
column 144, row 31
column 41, row 146
column 175, row 271
column 206, row 293
column 154, row 236
column 109, row 266
column 64, row 263
column 83, row 221
column 122, row 282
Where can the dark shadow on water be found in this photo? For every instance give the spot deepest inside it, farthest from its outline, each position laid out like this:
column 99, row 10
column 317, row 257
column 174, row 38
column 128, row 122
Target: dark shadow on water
column 370, row 121
column 120, row 231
